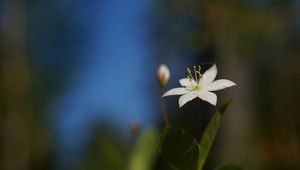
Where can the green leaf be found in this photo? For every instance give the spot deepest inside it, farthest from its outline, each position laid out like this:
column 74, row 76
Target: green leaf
column 229, row 167
column 111, row 153
column 209, row 134
column 144, row 153
column 179, row 148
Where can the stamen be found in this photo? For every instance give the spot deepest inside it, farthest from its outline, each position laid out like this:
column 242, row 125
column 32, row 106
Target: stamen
column 189, row 78
column 195, row 72
column 190, row 73
column 198, row 72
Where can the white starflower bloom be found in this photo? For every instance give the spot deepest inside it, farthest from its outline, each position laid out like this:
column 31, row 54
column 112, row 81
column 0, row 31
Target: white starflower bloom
column 200, row 86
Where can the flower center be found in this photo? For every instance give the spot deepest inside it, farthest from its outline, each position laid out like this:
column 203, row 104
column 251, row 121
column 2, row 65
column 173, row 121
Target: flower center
column 197, row 87
column 194, row 80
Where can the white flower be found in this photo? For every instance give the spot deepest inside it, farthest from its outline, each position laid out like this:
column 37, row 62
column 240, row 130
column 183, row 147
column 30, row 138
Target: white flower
column 200, row 85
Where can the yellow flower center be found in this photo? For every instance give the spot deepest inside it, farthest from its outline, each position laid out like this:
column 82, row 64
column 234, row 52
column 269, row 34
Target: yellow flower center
column 197, row 87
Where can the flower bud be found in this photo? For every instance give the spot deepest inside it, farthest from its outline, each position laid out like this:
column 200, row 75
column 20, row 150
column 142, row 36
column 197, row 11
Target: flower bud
column 163, row 75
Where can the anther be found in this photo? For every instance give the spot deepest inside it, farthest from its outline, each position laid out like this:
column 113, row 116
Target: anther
column 189, row 70
column 199, row 72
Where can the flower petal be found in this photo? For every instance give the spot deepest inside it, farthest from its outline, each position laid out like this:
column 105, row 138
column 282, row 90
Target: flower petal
column 208, row 96
column 186, row 82
column 176, row 91
column 209, row 75
column 186, row 98
column 219, row 84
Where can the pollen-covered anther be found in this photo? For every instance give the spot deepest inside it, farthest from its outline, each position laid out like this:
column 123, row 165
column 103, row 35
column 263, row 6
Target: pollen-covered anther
column 189, row 72
column 198, row 72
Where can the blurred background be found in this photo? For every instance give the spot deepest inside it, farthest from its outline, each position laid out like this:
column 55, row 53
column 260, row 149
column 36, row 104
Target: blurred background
column 78, row 85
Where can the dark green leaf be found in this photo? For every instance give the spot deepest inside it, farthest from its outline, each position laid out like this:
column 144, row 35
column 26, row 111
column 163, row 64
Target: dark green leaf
column 179, row 148
column 229, row 167
column 210, row 133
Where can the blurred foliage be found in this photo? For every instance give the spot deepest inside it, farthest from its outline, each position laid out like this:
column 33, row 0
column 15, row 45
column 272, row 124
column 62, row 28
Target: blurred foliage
column 229, row 167
column 144, row 154
column 244, row 27
column 26, row 85
column 107, row 151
